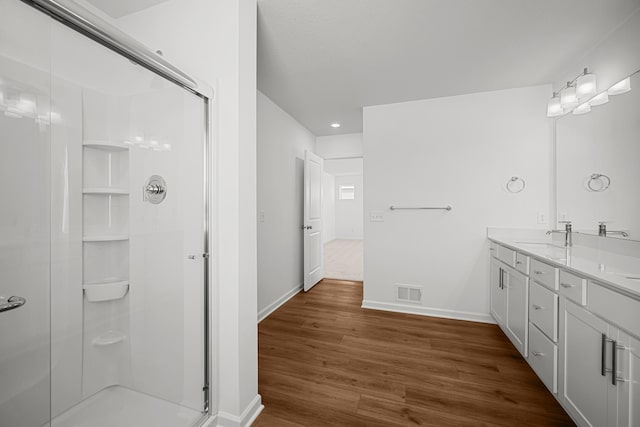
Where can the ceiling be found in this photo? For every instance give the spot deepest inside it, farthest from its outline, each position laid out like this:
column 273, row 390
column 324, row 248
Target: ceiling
column 323, row 60
column 120, row 8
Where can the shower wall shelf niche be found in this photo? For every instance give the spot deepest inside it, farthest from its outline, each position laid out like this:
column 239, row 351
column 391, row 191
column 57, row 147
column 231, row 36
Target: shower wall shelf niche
column 106, row 145
column 105, row 190
column 109, row 338
column 107, row 291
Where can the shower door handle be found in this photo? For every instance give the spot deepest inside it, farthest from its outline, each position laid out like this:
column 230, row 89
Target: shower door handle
column 12, row 303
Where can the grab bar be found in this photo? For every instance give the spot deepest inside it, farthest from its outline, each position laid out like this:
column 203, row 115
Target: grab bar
column 445, row 208
column 12, row 303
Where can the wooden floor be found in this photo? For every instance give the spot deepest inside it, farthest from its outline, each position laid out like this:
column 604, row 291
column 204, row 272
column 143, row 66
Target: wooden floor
column 324, row 361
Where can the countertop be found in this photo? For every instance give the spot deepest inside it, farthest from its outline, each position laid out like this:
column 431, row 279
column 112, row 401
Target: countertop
column 607, row 268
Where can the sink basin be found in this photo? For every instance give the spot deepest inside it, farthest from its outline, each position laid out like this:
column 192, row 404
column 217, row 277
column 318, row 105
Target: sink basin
column 630, row 276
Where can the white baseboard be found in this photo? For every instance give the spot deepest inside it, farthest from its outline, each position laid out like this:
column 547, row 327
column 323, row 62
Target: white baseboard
column 265, row 312
column 245, row 419
column 428, row 311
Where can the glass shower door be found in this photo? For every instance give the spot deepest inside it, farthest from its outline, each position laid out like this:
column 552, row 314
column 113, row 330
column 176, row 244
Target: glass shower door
column 24, row 217
column 102, row 233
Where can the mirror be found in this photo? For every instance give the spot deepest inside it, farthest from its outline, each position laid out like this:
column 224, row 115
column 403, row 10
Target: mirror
column 598, row 166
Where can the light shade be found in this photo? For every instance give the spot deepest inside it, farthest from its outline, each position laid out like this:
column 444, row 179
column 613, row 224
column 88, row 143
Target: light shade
column 335, row 125
column 620, row 87
column 568, row 97
column 554, row 107
column 582, row 109
column 586, row 86
column 599, row 99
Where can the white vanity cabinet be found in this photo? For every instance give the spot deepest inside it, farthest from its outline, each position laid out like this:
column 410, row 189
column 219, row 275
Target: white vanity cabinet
column 509, row 297
column 600, row 363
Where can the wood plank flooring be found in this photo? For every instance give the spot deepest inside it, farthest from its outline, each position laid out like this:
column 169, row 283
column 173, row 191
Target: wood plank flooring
column 325, row 361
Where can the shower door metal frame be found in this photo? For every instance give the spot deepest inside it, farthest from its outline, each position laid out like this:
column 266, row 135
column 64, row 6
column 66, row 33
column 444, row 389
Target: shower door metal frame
column 90, row 25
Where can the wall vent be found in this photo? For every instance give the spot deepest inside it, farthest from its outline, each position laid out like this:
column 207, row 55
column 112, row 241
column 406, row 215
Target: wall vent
column 408, row 293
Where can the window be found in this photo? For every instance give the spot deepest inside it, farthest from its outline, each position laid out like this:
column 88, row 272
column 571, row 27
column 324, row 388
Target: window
column 347, row 192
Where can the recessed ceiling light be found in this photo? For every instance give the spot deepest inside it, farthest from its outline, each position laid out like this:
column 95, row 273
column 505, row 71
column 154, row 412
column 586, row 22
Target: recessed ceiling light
column 335, row 125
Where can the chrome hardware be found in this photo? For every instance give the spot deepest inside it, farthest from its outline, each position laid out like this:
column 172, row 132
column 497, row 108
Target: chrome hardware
column 515, row 184
column 538, row 272
column 537, row 307
column 603, row 232
column 445, row 208
column 308, row 227
column 501, row 281
column 537, row 353
column 518, row 262
column 568, row 237
column 567, row 285
column 12, row 303
column 598, row 182
column 603, row 361
column 614, row 362
column 191, row 257
column 155, row 190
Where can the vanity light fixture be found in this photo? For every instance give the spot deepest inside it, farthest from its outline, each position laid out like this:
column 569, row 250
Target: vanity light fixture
column 599, row 99
column 335, row 125
column 582, row 109
column 621, row 87
column 586, row 85
column 579, row 89
column 554, row 107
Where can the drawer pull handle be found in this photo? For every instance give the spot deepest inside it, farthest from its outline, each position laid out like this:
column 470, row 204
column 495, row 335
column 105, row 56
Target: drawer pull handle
column 567, row 285
column 538, row 307
column 538, row 272
column 538, row 354
column 518, row 262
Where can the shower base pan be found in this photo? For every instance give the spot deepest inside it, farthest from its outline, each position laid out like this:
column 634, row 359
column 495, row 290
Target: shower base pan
column 121, row 407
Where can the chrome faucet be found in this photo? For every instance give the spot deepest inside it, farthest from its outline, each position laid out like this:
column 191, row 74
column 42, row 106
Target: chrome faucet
column 568, row 236
column 602, row 230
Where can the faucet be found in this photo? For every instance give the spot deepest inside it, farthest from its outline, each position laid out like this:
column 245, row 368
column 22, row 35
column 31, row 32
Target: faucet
column 568, row 237
column 602, row 230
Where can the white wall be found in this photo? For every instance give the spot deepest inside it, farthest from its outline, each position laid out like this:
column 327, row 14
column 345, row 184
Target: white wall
column 328, row 207
column 337, row 146
column 460, row 151
column 282, row 142
column 349, row 213
column 612, row 59
column 216, row 41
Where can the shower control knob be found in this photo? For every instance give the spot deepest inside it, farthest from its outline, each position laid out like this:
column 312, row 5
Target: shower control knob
column 155, row 190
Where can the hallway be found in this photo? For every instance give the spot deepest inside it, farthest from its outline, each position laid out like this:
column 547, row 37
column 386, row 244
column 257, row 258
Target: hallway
column 323, row 360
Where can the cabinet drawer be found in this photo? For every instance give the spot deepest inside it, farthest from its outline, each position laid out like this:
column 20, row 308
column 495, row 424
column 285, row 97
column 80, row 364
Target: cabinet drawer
column 544, row 274
column 507, row 256
column 573, row 287
column 620, row 309
column 543, row 358
column 543, row 310
column 493, row 249
column 522, row 263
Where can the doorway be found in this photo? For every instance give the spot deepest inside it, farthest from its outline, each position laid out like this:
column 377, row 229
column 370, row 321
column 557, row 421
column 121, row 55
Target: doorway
column 343, row 213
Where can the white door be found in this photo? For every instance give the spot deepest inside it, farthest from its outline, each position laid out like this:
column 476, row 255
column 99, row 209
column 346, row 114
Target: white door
column 583, row 387
column 312, row 227
column 517, row 310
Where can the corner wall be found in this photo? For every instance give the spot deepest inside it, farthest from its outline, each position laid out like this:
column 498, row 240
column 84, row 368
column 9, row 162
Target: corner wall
column 282, row 142
column 461, row 151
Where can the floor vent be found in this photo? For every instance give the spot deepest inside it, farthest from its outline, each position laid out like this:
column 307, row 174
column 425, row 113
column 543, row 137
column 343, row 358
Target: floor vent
column 407, row 293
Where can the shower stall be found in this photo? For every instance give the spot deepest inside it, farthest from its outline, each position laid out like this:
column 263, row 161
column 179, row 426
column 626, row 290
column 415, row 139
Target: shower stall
column 103, row 226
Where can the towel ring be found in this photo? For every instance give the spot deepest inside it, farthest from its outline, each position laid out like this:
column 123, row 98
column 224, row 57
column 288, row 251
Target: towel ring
column 598, row 182
column 515, row 184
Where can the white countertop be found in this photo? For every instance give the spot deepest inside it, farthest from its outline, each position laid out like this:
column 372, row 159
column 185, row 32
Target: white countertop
column 608, row 268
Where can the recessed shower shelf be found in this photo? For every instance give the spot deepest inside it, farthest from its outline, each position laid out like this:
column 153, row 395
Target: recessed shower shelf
column 109, row 338
column 105, row 190
column 106, row 145
column 105, row 238
column 105, row 291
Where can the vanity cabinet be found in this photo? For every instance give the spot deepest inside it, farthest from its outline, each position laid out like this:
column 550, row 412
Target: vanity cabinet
column 600, row 365
column 509, row 298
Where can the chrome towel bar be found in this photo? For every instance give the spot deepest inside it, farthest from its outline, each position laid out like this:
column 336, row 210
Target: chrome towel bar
column 431, row 208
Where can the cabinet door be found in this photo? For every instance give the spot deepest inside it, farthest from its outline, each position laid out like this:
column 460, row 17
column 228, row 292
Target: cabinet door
column 628, row 385
column 517, row 309
column 583, row 388
column 498, row 300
